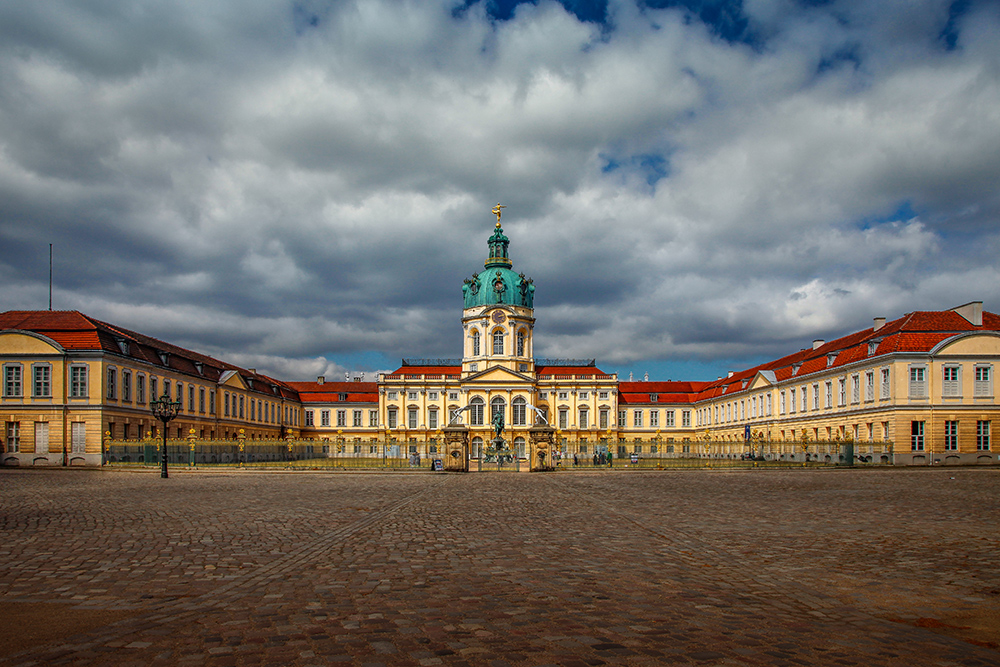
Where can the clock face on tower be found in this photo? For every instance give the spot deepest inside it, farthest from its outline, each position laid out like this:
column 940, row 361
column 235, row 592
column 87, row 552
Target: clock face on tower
column 499, row 317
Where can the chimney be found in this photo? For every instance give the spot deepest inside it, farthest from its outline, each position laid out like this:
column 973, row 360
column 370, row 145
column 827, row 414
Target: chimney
column 321, row 379
column 879, row 323
column 818, row 343
column 253, row 370
column 730, row 374
column 972, row 311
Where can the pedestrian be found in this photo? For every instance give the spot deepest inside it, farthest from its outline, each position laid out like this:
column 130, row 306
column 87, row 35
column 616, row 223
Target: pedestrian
column 610, row 460
column 575, row 461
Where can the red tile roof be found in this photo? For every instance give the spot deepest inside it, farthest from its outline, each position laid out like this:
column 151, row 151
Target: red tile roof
column 78, row 332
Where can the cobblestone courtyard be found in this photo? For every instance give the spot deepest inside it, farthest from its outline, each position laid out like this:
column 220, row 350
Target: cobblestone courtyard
column 829, row 567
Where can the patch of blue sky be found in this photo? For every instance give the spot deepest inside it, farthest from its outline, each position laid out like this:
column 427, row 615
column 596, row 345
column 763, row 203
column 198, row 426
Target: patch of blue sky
column 652, row 167
column 904, row 211
column 593, row 11
column 693, row 370
column 367, row 362
column 949, row 34
column 304, row 18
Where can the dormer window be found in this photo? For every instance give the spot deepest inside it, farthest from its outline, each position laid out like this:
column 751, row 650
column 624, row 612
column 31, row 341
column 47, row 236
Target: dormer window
column 200, row 367
column 122, row 345
column 653, row 398
column 830, row 358
column 872, row 347
column 164, row 358
column 341, row 397
column 795, row 368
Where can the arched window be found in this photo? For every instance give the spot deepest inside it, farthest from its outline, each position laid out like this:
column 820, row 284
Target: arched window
column 520, row 412
column 477, row 444
column 497, row 405
column 475, row 342
column 520, row 343
column 498, row 341
column 476, row 412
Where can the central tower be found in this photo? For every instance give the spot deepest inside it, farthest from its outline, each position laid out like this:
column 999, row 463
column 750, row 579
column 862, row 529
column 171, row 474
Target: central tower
column 498, row 316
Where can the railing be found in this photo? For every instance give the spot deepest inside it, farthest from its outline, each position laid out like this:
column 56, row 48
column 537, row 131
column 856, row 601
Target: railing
column 376, row 454
column 300, row 454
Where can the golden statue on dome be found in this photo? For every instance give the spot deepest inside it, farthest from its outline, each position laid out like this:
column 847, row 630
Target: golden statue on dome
column 496, row 211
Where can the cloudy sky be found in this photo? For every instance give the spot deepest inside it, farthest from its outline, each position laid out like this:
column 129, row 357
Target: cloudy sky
column 695, row 186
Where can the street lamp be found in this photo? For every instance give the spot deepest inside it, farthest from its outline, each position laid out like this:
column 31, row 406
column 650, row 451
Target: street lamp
column 164, row 409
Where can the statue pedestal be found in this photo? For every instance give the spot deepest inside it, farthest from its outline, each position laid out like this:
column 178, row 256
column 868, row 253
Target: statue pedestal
column 542, row 447
column 456, row 448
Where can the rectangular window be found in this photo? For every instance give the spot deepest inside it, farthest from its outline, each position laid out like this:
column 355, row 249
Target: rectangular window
column 781, row 404
column 411, row 418
column 180, row 395
column 432, row 418
column 668, row 416
column 685, row 418
column 191, row 398
column 78, row 437
column 341, row 417
column 842, row 384
column 309, row 418
column 951, row 386
column 392, row 417
column 211, row 401
column 373, row 418
column 855, row 389
column 13, row 436
column 225, row 407
column 127, row 386
column 201, row 400
column 140, row 389
column 583, row 418
column 356, row 416
column 884, row 391
column 829, row 395
column 324, row 418
column 112, row 383
column 816, row 397
column 637, row 418
column 563, row 418
column 43, row 381
column 791, row 400
column 603, row 416
column 12, row 380
column 622, row 418
column 78, row 381
column 951, row 436
column 984, row 381
column 983, row 436
column 152, row 388
column 870, row 386
column 918, row 382
column 654, row 418
column 917, row 436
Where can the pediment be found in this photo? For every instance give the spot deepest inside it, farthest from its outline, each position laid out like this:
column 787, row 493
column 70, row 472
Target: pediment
column 969, row 344
column 16, row 341
column 497, row 374
column 232, row 379
column 763, row 379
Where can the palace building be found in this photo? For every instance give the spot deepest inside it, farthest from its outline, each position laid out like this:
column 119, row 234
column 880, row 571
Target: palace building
column 916, row 390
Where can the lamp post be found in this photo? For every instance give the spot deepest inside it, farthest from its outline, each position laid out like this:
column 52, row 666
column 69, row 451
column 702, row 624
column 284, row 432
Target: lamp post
column 164, row 409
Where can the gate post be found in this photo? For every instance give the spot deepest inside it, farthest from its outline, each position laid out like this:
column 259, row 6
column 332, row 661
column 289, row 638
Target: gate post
column 541, row 437
column 456, row 448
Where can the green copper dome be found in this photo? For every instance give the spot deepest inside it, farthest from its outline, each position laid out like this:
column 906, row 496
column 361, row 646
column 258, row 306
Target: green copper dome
column 498, row 284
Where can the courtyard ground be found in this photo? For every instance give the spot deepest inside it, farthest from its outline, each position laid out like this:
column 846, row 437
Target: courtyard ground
column 800, row 567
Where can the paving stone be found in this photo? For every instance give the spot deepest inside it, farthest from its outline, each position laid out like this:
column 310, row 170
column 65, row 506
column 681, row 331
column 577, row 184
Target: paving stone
column 804, row 567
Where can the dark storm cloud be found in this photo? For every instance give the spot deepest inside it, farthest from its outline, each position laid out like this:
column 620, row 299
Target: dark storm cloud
column 283, row 184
